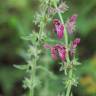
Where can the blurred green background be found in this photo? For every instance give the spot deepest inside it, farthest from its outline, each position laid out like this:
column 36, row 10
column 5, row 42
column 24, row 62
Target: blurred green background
column 16, row 17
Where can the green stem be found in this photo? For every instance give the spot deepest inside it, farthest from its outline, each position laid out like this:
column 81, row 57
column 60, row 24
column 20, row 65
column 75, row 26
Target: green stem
column 68, row 89
column 70, row 83
column 30, row 94
column 33, row 67
column 67, row 57
column 31, row 79
column 65, row 32
column 33, row 71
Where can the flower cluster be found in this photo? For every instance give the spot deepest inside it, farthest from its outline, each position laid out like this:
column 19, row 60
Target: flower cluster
column 58, row 50
column 64, row 52
column 61, row 8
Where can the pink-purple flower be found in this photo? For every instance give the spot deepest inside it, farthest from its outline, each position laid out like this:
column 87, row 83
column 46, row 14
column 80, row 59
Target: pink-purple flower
column 61, row 51
column 75, row 42
column 70, row 25
column 57, row 51
column 54, row 53
column 59, row 28
column 74, row 45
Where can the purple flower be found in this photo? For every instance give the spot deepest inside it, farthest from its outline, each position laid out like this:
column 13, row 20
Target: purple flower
column 61, row 8
column 57, row 51
column 54, row 53
column 75, row 42
column 59, row 28
column 74, row 45
column 70, row 25
column 61, row 51
column 47, row 46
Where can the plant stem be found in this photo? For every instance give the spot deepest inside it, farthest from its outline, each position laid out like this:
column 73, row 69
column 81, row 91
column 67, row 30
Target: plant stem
column 68, row 89
column 31, row 79
column 70, row 84
column 33, row 71
column 30, row 94
column 33, row 67
column 67, row 57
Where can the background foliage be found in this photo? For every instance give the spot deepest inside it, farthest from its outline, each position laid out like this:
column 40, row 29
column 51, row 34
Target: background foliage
column 16, row 19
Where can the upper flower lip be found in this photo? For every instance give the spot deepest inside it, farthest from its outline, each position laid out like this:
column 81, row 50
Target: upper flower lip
column 74, row 45
column 59, row 28
column 56, row 21
column 70, row 24
column 73, row 18
column 75, row 42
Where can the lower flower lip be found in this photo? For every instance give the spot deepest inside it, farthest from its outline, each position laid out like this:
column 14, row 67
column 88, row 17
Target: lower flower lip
column 60, row 49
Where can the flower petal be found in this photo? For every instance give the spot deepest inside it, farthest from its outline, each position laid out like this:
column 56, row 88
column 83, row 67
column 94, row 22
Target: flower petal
column 74, row 45
column 47, row 46
column 59, row 28
column 70, row 25
column 62, row 52
column 53, row 53
column 75, row 42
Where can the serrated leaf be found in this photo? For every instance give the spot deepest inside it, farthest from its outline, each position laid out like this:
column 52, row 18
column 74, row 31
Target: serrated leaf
column 47, row 71
column 36, row 82
column 21, row 67
column 26, row 83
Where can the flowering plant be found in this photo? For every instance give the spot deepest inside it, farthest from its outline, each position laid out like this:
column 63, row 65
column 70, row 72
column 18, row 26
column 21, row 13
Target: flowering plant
column 63, row 51
column 35, row 41
column 66, row 51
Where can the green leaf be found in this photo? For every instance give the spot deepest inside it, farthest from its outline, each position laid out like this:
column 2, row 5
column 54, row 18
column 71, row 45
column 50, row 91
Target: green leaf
column 21, row 67
column 48, row 72
column 27, row 83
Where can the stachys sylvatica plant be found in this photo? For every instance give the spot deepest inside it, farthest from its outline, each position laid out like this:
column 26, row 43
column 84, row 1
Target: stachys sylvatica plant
column 33, row 49
column 63, row 51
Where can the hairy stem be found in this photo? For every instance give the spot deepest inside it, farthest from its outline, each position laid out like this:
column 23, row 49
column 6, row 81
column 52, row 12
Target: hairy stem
column 33, row 72
column 33, row 69
column 70, row 83
column 67, row 57
column 68, row 89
